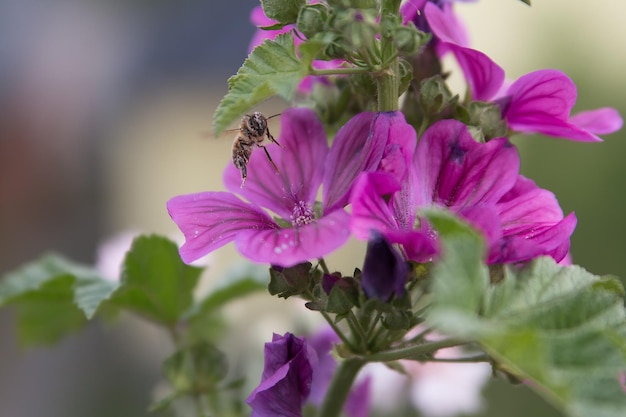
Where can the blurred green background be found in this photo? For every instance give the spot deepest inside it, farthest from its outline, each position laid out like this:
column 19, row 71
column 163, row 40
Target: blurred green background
column 105, row 109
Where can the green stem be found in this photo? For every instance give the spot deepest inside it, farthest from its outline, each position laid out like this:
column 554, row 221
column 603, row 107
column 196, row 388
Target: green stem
column 412, row 351
column 338, row 71
column 469, row 359
column 340, row 387
column 388, row 80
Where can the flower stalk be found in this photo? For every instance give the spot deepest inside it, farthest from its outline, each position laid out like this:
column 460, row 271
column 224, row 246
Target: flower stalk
column 388, row 81
column 340, row 387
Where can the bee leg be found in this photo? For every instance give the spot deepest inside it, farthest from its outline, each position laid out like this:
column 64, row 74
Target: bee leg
column 244, row 175
column 269, row 158
column 271, row 138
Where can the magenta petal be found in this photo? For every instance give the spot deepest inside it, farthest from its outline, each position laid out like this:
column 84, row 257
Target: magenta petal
column 455, row 171
column 485, row 219
column 600, row 121
column 484, row 77
column 541, row 102
column 445, row 25
column 212, row 219
column 299, row 163
column 370, row 211
column 357, row 147
column 287, row 247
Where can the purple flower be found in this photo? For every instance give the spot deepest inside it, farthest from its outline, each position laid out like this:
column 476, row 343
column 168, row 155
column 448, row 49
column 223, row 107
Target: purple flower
column 541, row 102
column 298, row 371
column 384, row 270
column 479, row 182
column 212, row 219
column 286, row 380
column 538, row 102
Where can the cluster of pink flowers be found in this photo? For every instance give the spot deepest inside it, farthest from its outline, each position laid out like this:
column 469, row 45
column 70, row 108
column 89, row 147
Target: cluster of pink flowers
column 376, row 178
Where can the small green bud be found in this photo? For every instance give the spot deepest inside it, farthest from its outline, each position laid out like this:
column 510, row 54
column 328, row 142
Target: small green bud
column 358, row 28
column 488, row 117
column 284, row 11
column 435, row 96
column 312, row 19
column 286, row 282
column 408, row 40
column 406, row 75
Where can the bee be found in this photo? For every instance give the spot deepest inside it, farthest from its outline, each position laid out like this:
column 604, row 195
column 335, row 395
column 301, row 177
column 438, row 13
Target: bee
column 252, row 132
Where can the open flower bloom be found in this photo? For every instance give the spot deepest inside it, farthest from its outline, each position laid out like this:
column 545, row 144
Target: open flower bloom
column 480, row 182
column 368, row 141
column 538, row 102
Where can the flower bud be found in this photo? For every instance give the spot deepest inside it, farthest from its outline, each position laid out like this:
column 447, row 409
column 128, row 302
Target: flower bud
column 384, row 270
column 408, row 40
column 358, row 28
column 435, row 96
column 488, row 118
column 312, row 19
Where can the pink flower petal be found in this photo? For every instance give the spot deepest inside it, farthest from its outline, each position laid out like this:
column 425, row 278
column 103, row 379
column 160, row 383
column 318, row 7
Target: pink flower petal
column 484, row 77
column 304, row 145
column 601, row 121
column 212, row 219
column 287, row 247
column 358, row 147
column 455, row 171
column 445, row 24
column 545, row 94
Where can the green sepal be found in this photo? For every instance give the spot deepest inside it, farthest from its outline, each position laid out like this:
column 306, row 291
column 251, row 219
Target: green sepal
column 283, row 11
column 343, row 296
column 488, row 117
column 156, row 283
column 435, row 98
column 271, row 69
column 290, row 281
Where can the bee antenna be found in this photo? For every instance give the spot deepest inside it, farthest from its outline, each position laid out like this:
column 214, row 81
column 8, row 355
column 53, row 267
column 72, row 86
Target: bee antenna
column 274, row 115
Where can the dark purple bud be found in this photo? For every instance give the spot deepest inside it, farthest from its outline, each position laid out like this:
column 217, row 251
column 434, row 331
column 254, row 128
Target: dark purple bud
column 286, row 380
column 384, row 270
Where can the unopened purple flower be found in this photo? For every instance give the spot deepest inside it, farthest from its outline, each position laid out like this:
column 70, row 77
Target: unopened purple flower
column 538, row 102
column 286, row 380
column 384, row 270
column 298, row 371
column 479, row 182
column 212, row 219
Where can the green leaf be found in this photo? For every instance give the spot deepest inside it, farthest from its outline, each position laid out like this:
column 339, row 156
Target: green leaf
column 237, row 284
column 463, row 249
column 271, row 69
column 53, row 297
column 203, row 320
column 526, row 2
column 284, row 11
column 156, row 283
column 562, row 329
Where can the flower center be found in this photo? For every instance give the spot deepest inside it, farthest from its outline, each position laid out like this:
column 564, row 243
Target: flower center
column 301, row 214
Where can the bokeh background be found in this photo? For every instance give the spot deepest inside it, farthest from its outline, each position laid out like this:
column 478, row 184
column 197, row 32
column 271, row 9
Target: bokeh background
column 104, row 110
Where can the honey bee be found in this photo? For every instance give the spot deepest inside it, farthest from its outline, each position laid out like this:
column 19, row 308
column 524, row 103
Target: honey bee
column 252, row 132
